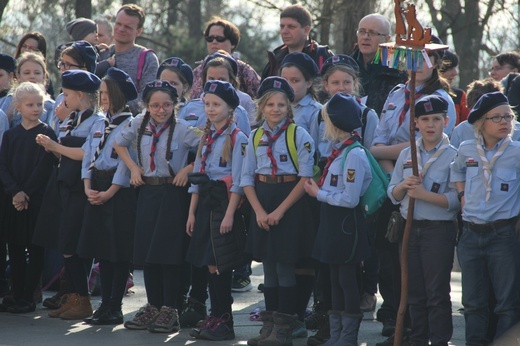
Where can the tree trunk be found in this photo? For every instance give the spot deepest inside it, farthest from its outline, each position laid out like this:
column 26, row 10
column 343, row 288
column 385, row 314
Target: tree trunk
column 3, row 5
column 326, row 21
column 194, row 19
column 349, row 16
column 83, row 8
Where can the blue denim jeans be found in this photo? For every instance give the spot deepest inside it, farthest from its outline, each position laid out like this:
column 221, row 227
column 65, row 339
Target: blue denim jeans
column 430, row 260
column 492, row 256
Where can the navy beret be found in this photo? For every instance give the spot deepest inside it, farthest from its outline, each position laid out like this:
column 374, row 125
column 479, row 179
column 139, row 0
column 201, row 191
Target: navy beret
column 339, row 59
column 232, row 62
column 79, row 28
column 276, row 84
column 486, row 103
column 160, row 85
column 7, row 63
column 80, row 80
column 179, row 65
column 431, row 104
column 344, row 112
column 124, row 82
column 301, row 60
column 88, row 53
column 224, row 90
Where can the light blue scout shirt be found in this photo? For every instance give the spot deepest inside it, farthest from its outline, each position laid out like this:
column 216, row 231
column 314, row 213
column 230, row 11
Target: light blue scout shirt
column 504, row 201
column 436, row 179
column 46, row 117
column 249, row 105
column 388, row 130
column 216, row 167
column 325, row 146
column 343, row 186
column 259, row 162
column 464, row 131
column 5, row 102
column 108, row 158
column 4, row 124
column 194, row 114
column 306, row 113
column 183, row 140
column 95, row 122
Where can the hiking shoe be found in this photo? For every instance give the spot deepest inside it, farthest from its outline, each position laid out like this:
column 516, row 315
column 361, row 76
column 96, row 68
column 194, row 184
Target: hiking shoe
column 241, row 284
column 143, row 318
column 220, row 329
column 166, row 322
column 368, row 302
column 193, row 312
column 207, row 323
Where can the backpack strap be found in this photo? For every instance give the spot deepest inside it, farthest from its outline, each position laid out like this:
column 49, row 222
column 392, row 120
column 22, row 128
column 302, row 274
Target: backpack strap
column 234, row 136
column 364, row 121
column 290, row 141
column 350, row 147
column 140, row 66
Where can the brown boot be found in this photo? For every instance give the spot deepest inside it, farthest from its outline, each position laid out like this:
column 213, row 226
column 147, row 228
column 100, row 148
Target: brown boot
column 80, row 310
column 281, row 334
column 68, row 301
column 267, row 328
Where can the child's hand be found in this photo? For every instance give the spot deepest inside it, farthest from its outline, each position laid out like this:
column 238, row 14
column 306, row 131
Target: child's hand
column 311, row 188
column 61, row 111
column 417, row 192
column 136, row 178
column 274, row 218
column 181, row 178
column 411, row 182
column 261, row 219
column 190, row 224
column 226, row 225
column 21, row 201
column 46, row 142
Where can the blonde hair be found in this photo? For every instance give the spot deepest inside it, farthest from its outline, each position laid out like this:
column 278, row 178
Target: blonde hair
column 262, row 101
column 227, row 150
column 28, row 88
column 35, row 57
column 477, row 126
column 332, row 133
column 357, row 88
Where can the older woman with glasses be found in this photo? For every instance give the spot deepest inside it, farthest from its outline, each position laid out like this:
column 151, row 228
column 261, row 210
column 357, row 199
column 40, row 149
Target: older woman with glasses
column 503, row 64
column 221, row 34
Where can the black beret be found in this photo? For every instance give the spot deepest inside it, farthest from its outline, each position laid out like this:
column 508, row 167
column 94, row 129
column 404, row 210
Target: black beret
column 303, row 61
column 124, row 82
column 80, row 28
column 160, row 85
column 344, row 112
column 80, row 80
column 232, row 62
column 224, row 90
column 339, row 59
column 88, row 53
column 431, row 104
column 486, row 103
column 7, row 63
column 177, row 64
column 276, row 84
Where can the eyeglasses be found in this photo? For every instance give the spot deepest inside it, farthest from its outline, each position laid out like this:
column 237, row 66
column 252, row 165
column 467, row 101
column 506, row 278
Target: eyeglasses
column 26, row 47
column 370, row 33
column 498, row 118
column 219, row 39
column 167, row 106
column 499, row 68
column 67, row 65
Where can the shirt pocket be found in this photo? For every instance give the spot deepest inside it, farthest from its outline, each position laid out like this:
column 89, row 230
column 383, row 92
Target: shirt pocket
column 436, row 181
column 503, row 181
column 472, row 179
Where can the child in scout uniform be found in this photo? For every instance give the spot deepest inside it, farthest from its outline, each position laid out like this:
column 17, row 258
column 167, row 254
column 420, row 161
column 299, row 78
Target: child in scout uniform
column 486, row 171
column 281, row 232
column 432, row 238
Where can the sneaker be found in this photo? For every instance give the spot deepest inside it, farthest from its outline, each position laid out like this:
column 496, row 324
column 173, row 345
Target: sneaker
column 241, row 284
column 220, row 329
column 193, row 312
column 368, row 302
column 112, row 317
column 22, row 306
column 299, row 330
column 316, row 317
column 100, row 311
column 322, row 335
column 166, row 322
column 206, row 323
column 144, row 318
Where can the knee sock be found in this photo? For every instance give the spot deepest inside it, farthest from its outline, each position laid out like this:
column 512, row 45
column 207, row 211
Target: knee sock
column 106, row 276
column 34, row 271
column 349, row 284
column 153, row 284
column 199, row 284
column 18, row 267
column 271, row 298
column 171, row 285
column 221, row 284
column 121, row 273
column 288, row 296
column 305, row 283
column 78, row 275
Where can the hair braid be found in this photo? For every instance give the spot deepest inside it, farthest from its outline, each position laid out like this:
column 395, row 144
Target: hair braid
column 204, row 138
column 140, row 133
column 227, row 150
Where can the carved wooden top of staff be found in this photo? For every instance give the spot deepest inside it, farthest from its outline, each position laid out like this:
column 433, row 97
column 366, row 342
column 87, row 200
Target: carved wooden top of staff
column 410, row 51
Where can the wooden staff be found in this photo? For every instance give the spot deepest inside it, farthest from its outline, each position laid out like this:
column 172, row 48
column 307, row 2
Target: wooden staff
column 398, row 337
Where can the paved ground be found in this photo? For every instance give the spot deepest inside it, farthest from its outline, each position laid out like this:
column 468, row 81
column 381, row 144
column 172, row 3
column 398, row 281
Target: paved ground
column 38, row 329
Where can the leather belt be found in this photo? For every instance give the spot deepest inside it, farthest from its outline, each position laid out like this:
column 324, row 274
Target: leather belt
column 103, row 174
column 157, row 180
column 486, row 227
column 264, row 178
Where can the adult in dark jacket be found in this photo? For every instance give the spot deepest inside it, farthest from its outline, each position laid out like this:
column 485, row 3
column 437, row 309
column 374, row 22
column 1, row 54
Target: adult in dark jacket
column 295, row 25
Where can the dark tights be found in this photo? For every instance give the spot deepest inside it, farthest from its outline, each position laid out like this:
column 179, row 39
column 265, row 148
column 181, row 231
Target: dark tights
column 163, row 284
column 25, row 276
column 220, row 293
column 114, row 276
column 345, row 289
column 76, row 272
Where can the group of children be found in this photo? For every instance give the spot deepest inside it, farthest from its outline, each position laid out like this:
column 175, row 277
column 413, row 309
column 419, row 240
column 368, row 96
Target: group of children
column 67, row 171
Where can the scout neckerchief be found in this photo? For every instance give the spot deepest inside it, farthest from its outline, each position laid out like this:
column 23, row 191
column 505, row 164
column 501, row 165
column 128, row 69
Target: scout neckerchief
column 444, row 145
column 110, row 124
column 488, row 166
column 74, row 121
column 210, row 140
column 155, row 140
column 406, row 106
column 270, row 143
column 334, row 155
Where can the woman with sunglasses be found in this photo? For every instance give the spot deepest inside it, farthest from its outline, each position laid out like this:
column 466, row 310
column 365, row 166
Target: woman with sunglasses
column 222, row 34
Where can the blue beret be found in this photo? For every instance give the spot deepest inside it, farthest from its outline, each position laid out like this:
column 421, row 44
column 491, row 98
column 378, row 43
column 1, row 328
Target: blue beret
column 232, row 62
column 160, row 85
column 88, row 53
column 339, row 59
column 224, row 90
column 276, row 84
column 344, row 112
column 7, row 63
column 179, row 65
column 124, row 82
column 301, row 60
column 486, row 103
column 431, row 104
column 80, row 80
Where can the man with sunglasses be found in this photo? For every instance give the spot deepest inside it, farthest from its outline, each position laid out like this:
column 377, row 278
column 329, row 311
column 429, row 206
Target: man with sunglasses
column 221, row 34
column 295, row 26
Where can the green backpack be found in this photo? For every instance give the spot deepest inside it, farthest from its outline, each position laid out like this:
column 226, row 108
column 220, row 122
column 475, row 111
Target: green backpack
column 375, row 195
